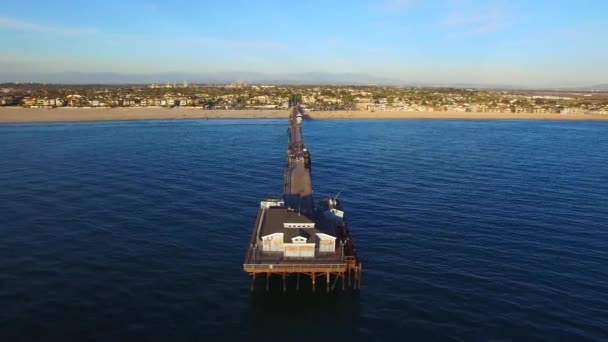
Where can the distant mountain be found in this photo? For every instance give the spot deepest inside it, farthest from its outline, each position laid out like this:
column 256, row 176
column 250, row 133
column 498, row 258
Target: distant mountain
column 301, row 78
column 600, row 87
column 206, row 77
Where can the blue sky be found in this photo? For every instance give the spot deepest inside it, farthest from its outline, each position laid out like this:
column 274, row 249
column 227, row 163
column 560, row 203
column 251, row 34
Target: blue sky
column 495, row 41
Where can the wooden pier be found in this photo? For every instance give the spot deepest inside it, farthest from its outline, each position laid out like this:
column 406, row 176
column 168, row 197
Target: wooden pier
column 292, row 237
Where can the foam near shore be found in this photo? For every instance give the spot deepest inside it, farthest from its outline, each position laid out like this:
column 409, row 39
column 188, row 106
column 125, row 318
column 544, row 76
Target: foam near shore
column 31, row 115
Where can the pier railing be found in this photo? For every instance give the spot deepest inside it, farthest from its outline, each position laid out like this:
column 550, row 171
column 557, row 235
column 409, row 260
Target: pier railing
column 256, row 255
column 293, row 267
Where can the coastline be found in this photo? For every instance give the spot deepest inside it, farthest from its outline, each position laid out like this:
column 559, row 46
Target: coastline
column 42, row 115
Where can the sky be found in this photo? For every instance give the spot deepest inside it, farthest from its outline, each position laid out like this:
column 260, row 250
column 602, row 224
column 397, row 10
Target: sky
column 515, row 42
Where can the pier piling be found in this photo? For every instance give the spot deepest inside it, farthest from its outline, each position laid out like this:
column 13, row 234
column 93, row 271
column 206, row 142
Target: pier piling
column 284, row 284
column 267, row 281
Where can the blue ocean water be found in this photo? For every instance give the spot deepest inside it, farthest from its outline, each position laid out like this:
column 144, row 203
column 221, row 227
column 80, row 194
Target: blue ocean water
column 468, row 230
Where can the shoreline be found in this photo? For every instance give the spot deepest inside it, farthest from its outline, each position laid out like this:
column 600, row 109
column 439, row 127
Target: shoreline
column 17, row 115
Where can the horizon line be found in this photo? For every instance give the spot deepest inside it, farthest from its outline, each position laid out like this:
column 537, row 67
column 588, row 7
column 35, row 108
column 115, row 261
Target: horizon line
column 179, row 84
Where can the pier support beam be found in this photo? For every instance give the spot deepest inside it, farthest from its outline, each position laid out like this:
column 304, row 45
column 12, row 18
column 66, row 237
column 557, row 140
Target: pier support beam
column 348, row 271
column 326, row 281
column 298, row 282
column 267, row 281
column 284, row 285
column 357, row 274
column 333, row 285
column 360, row 269
column 252, row 281
column 313, row 277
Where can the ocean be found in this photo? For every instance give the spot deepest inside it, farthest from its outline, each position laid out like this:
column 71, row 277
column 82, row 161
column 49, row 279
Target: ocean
column 467, row 230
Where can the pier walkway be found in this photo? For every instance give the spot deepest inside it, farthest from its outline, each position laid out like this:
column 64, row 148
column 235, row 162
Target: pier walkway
column 297, row 192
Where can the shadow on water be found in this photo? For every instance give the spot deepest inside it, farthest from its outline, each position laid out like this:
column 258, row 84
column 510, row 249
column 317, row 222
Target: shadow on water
column 307, row 117
column 336, row 312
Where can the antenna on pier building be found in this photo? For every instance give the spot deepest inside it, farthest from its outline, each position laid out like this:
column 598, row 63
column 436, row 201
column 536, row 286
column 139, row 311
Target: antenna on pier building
column 338, row 194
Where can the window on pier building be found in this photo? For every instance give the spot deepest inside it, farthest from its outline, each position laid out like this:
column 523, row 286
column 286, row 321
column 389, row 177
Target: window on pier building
column 298, row 225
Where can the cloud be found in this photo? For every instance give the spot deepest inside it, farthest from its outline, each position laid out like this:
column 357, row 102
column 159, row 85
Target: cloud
column 393, row 6
column 17, row 24
column 486, row 20
column 257, row 44
column 23, row 61
column 376, row 50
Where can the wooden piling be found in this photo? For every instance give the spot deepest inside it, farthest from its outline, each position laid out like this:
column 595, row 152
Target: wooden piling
column 360, row 269
column 284, row 284
column 267, row 281
column 333, row 285
column 348, row 276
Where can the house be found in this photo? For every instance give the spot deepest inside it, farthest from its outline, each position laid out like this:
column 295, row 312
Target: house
column 168, row 102
column 60, row 102
column 261, row 99
column 126, row 102
column 458, row 108
column 96, row 103
column 286, row 232
column 74, row 100
column 308, row 99
column 28, row 101
column 376, row 107
column 573, row 110
column 362, row 102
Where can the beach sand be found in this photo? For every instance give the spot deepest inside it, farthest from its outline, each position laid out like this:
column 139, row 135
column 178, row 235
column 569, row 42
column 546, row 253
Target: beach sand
column 31, row 115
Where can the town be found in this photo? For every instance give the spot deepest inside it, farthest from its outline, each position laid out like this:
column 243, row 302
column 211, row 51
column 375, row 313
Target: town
column 240, row 95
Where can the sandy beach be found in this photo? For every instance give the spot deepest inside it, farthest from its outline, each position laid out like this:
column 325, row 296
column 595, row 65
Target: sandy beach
column 32, row 115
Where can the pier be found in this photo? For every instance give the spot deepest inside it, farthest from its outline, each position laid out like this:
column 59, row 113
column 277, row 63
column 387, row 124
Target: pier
column 293, row 238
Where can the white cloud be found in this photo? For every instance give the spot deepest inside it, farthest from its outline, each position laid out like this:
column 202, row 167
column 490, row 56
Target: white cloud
column 17, row 24
column 393, row 6
column 27, row 62
column 485, row 20
column 376, row 50
column 227, row 43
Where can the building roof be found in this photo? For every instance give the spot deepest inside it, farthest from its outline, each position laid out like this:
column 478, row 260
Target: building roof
column 275, row 217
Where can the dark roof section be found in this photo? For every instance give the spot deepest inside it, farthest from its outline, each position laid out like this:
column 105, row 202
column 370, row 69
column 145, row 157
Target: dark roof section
column 274, row 218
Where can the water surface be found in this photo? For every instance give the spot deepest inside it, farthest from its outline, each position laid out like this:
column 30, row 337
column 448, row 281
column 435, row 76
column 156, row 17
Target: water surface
column 468, row 230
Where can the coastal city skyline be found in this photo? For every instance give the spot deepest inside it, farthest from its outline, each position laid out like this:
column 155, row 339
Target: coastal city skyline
column 515, row 43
